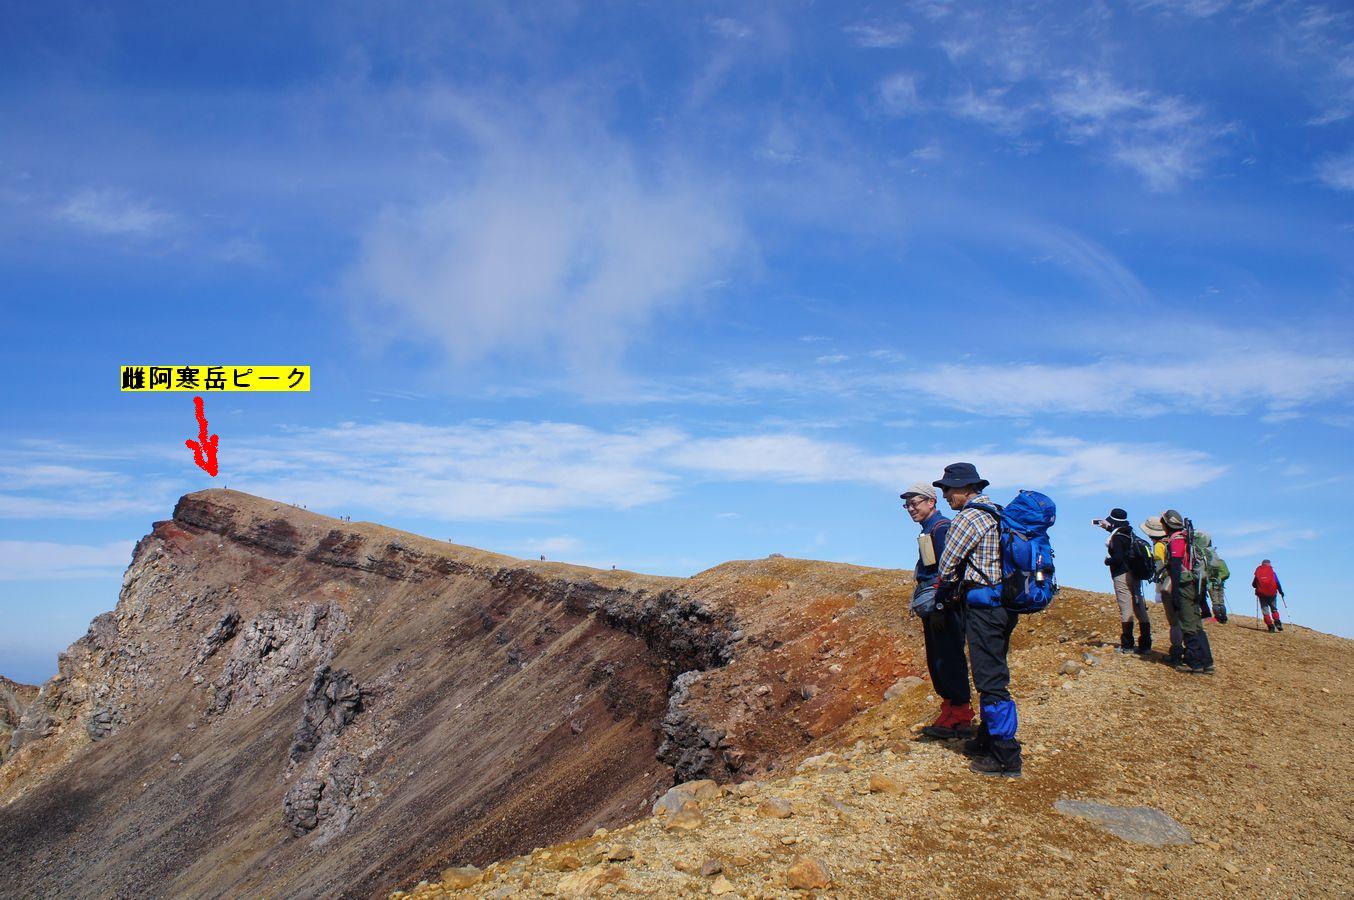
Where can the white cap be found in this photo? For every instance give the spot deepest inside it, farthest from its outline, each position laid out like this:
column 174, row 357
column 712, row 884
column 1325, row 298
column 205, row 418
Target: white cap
column 920, row 489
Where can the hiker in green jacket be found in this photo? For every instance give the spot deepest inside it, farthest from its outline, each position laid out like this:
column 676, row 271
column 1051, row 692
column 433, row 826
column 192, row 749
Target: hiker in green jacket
column 1218, row 573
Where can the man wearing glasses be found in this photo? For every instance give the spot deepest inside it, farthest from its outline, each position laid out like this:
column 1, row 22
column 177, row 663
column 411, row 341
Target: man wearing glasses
column 943, row 628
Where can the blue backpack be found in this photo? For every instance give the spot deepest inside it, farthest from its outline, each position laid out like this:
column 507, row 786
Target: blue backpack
column 1027, row 580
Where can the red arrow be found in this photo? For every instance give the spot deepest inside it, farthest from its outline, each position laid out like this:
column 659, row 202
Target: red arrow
column 204, row 448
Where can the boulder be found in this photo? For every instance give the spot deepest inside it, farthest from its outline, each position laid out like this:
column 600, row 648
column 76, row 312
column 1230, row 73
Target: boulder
column 1136, row 824
column 775, row 808
column 901, row 686
column 809, row 873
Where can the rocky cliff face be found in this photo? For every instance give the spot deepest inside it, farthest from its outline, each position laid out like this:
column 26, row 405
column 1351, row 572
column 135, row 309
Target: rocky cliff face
column 283, row 703
column 14, row 699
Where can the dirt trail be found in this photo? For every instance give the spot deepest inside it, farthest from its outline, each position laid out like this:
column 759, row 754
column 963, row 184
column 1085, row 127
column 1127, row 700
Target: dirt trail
column 1254, row 761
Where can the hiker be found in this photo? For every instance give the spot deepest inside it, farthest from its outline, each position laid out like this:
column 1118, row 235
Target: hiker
column 1267, row 590
column 943, row 628
column 1218, row 573
column 1126, row 574
column 1185, row 588
column 971, row 576
column 1152, row 527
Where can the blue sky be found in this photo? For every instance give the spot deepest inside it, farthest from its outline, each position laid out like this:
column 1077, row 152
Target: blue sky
column 656, row 287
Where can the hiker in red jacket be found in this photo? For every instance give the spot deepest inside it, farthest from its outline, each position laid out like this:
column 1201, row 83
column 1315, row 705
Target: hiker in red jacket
column 1267, row 588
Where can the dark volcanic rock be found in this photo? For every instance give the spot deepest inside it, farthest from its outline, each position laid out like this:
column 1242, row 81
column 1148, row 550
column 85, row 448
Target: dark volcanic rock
column 331, row 703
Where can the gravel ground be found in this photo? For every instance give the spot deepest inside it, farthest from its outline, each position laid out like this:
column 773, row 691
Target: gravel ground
column 1254, row 761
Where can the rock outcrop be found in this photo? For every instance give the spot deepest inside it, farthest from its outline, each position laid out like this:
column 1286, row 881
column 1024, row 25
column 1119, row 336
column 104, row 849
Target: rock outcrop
column 15, row 698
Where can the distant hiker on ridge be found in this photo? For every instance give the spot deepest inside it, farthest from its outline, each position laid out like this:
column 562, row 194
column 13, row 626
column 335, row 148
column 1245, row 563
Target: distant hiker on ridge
column 1186, row 586
column 1129, row 561
column 942, row 628
column 971, row 576
column 1267, row 588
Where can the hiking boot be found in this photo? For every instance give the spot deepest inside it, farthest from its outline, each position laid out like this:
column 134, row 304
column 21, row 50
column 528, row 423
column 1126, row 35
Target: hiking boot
column 1271, row 627
column 1144, row 639
column 988, row 765
column 976, row 746
column 1126, row 638
column 1208, row 670
column 1278, row 625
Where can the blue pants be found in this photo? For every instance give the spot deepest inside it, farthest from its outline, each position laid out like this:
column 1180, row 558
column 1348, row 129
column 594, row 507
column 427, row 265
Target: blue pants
column 989, row 640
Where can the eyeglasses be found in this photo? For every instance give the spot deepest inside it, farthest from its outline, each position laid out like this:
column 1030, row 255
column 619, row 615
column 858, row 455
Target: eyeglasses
column 916, row 502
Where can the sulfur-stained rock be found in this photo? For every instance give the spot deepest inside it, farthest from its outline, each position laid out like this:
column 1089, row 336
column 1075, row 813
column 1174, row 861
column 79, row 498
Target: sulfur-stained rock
column 808, row 873
column 462, row 877
column 722, row 885
column 566, row 863
column 587, row 882
column 619, row 853
column 883, row 784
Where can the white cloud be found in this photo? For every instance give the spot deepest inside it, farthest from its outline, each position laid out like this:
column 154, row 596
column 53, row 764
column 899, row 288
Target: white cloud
column 731, row 29
column 556, row 246
column 879, row 35
column 113, row 212
column 1195, row 9
column 1165, row 139
column 1215, row 382
column 992, row 108
column 1337, row 172
column 32, row 560
column 46, row 475
column 461, row 472
column 1272, row 377
column 552, row 547
column 1077, row 466
column 898, row 94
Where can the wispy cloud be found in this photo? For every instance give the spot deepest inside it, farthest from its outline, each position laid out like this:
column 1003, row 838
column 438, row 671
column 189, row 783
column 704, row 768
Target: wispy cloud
column 1213, row 381
column 558, row 245
column 112, row 212
column 898, row 94
column 1337, row 172
column 28, row 560
column 1196, row 9
column 1165, row 139
column 514, row 470
column 879, row 34
column 993, row 108
column 1077, row 466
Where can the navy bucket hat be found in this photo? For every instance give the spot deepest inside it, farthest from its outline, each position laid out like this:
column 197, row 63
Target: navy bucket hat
column 961, row 474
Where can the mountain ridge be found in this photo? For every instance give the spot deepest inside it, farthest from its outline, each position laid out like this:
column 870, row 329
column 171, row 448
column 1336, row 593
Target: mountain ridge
column 273, row 681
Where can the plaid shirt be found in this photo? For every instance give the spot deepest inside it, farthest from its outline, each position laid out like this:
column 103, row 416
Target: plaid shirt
column 974, row 540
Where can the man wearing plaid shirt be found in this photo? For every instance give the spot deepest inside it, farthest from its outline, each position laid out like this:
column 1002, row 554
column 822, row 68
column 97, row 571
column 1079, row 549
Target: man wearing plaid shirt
column 970, row 575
